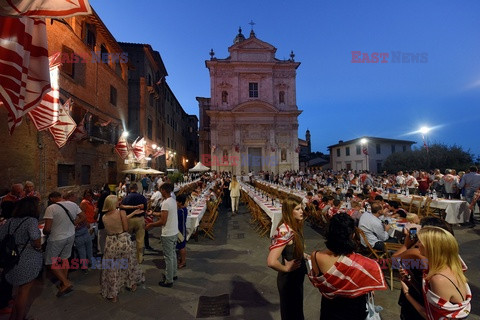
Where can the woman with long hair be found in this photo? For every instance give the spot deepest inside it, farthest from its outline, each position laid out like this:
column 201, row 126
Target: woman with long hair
column 119, row 265
column 288, row 243
column 234, row 194
column 445, row 288
column 24, row 227
column 345, row 297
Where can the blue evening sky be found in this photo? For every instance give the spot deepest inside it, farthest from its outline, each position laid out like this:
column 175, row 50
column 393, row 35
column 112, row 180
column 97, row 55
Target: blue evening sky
column 340, row 100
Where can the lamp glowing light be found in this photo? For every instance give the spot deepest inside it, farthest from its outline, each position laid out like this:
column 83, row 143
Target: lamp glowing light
column 363, row 141
column 125, row 133
column 425, row 130
column 154, row 146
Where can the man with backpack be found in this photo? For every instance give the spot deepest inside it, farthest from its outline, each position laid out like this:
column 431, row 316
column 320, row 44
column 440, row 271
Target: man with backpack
column 61, row 217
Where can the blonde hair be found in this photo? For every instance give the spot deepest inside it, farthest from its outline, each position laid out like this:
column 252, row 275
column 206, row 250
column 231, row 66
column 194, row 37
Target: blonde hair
column 412, row 218
column 441, row 250
column 234, row 182
column 297, row 226
column 110, row 203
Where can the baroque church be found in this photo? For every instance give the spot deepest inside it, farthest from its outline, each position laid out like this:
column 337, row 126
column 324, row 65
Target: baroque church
column 250, row 123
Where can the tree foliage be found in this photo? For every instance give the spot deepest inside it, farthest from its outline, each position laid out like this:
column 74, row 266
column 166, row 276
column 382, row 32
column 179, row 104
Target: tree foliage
column 438, row 156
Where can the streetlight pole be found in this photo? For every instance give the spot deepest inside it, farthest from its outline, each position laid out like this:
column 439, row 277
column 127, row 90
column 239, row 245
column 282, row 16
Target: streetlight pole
column 364, row 143
column 424, row 131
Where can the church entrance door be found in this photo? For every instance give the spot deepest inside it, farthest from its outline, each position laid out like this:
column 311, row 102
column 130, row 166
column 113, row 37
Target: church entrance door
column 255, row 159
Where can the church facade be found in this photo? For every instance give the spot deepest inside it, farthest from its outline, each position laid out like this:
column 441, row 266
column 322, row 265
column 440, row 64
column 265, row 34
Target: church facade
column 250, row 123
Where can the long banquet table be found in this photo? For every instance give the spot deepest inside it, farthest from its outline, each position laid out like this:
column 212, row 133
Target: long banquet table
column 274, row 212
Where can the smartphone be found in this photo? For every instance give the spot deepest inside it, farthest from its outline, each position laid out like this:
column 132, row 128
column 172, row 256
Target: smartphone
column 413, row 233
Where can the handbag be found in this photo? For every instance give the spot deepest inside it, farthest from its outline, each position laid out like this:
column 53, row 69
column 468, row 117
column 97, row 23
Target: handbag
column 373, row 311
column 180, row 237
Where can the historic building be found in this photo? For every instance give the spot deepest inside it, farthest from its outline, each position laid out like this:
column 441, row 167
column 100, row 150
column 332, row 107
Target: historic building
column 365, row 153
column 155, row 114
column 250, row 120
column 146, row 102
column 98, row 89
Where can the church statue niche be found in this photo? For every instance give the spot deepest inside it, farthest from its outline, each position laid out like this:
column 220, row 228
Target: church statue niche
column 281, row 97
column 224, row 97
column 283, row 155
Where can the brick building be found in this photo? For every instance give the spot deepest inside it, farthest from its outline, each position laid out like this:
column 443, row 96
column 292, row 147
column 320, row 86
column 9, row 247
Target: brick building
column 99, row 93
column 155, row 113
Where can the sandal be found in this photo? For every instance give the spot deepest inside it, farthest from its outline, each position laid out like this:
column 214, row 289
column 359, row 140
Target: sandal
column 63, row 292
column 114, row 299
column 133, row 288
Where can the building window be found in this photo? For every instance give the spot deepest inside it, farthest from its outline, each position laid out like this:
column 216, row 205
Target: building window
column 149, row 128
column 104, row 54
column 338, row 152
column 358, row 149
column 66, row 175
column 347, row 151
column 224, row 97
column 404, row 148
column 253, row 90
column 90, row 36
column 283, row 155
column 168, row 139
column 158, row 129
column 118, row 69
column 67, row 59
column 113, row 95
column 379, row 150
column 379, row 166
column 281, row 97
column 85, row 174
column 393, row 148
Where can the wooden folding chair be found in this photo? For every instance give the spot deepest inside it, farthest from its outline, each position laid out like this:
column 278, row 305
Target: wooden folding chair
column 207, row 225
column 378, row 255
column 416, row 204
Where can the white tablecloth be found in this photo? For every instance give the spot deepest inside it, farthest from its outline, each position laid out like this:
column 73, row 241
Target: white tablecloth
column 273, row 212
column 194, row 217
column 456, row 211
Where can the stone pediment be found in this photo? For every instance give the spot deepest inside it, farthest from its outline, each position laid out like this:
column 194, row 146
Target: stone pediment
column 253, row 44
column 255, row 107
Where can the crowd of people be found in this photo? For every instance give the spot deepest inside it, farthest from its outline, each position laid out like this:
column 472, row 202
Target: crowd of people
column 114, row 225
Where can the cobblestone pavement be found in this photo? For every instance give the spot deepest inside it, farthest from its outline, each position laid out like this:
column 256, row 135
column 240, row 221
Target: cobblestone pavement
column 234, row 263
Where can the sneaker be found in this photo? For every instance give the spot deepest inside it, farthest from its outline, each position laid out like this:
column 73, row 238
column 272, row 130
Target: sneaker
column 165, row 284
column 165, row 279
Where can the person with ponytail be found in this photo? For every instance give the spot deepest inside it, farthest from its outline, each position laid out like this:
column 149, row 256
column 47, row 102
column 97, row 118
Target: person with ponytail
column 288, row 244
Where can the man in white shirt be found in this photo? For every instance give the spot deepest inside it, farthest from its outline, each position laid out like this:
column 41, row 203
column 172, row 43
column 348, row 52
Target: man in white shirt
column 61, row 217
column 400, row 179
column 169, row 221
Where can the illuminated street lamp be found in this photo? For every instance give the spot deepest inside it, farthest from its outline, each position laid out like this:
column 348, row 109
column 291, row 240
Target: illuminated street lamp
column 154, row 146
column 424, row 130
column 125, row 134
column 364, row 143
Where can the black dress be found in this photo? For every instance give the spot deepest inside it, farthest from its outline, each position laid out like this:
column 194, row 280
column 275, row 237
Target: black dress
column 290, row 287
column 343, row 308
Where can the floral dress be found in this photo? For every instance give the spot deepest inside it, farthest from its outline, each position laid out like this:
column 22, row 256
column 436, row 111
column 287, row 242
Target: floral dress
column 119, row 263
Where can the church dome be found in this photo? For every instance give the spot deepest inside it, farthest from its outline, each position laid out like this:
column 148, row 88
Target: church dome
column 240, row 37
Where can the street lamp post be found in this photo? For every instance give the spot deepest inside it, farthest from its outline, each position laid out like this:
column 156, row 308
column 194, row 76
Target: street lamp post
column 364, row 143
column 424, row 131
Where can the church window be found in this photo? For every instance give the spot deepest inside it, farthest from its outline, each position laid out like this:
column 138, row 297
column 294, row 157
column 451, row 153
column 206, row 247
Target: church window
column 253, row 90
column 283, row 155
column 224, row 96
column 281, row 97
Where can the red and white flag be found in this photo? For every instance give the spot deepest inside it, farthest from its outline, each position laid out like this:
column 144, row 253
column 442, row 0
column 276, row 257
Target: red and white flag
column 138, row 148
column 297, row 149
column 160, row 152
column 24, row 69
column 122, row 147
column 80, row 132
column 365, row 151
column 64, row 127
column 46, row 114
column 45, row 8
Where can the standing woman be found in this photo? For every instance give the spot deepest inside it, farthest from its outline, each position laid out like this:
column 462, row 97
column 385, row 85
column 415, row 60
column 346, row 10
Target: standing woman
column 445, row 288
column 234, row 194
column 119, row 265
column 288, row 243
column 24, row 227
column 344, row 297
column 182, row 228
